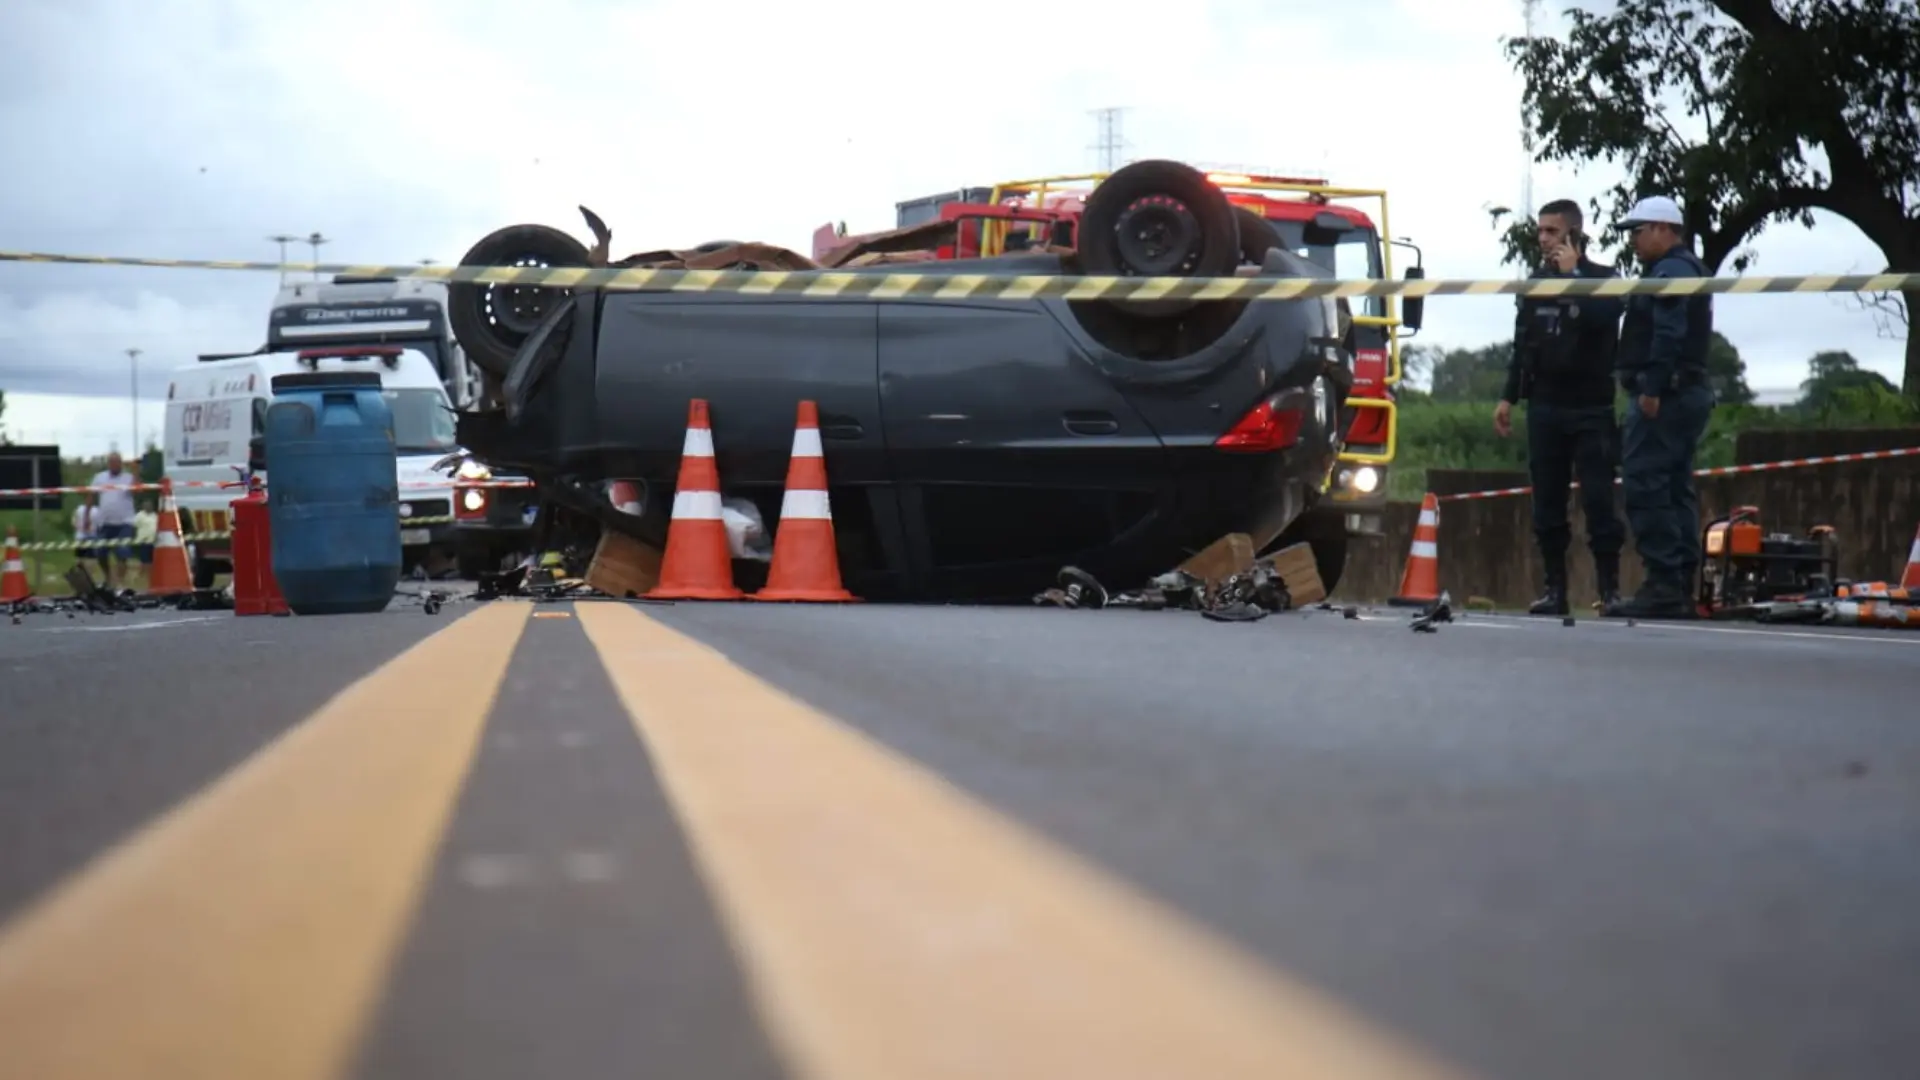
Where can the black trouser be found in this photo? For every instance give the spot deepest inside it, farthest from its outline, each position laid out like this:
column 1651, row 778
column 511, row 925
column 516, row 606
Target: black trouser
column 1657, row 472
column 1564, row 443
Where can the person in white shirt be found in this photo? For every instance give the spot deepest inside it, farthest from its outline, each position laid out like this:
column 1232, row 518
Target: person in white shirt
column 146, row 527
column 83, row 530
column 112, row 500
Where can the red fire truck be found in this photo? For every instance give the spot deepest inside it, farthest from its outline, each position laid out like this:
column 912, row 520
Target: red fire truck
column 1308, row 216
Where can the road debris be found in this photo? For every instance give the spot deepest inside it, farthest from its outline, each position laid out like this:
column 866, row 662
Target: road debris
column 1440, row 611
column 1223, row 582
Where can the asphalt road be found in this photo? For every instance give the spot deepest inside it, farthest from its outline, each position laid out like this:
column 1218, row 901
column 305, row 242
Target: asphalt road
column 868, row 843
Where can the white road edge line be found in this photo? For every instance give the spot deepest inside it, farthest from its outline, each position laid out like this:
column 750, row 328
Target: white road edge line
column 1860, row 634
column 125, row 627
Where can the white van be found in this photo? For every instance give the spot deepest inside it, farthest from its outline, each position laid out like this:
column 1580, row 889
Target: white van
column 216, row 407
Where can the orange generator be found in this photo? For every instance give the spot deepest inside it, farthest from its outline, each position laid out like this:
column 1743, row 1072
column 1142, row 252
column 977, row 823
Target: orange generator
column 1742, row 565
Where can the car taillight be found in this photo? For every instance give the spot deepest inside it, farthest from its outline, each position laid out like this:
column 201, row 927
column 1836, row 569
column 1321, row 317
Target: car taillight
column 1274, row 424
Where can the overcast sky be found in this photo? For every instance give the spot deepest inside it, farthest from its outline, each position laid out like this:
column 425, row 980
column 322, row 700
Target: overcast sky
column 407, row 129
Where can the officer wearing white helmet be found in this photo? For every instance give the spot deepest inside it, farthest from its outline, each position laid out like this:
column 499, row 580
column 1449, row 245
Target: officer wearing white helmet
column 1662, row 365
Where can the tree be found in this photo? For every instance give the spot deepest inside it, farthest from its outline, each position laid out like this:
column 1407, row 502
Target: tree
column 1472, row 374
column 4, row 440
column 1727, row 372
column 152, row 464
column 1799, row 105
column 1831, row 375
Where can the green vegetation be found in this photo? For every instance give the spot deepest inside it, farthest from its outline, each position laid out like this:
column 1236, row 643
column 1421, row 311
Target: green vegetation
column 1747, row 112
column 1450, row 426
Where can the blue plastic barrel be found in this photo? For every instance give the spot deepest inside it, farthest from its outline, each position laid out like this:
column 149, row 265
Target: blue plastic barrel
column 332, row 494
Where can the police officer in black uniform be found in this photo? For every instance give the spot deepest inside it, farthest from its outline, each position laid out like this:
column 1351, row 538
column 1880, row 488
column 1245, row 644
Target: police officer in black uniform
column 1563, row 361
column 1663, row 367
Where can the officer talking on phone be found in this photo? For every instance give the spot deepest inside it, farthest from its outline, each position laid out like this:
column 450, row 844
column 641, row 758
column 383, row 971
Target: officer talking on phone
column 1563, row 368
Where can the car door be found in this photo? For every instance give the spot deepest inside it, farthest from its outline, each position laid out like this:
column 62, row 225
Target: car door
column 753, row 359
column 1014, row 454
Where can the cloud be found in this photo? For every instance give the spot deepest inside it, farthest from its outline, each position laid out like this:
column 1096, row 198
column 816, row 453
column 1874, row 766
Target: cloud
column 199, row 128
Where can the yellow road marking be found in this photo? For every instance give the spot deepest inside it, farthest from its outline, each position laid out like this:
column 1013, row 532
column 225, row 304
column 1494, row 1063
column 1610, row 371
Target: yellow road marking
column 892, row 927
column 249, row 931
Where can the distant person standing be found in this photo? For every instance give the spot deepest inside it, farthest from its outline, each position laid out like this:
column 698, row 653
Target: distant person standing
column 83, row 516
column 1562, row 367
column 113, row 515
column 1663, row 366
column 146, row 529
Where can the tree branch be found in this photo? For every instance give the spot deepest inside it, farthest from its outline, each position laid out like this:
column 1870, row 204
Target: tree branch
column 1739, row 221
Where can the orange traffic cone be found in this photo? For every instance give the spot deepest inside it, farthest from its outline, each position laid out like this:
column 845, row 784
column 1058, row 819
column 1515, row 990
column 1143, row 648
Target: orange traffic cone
column 171, row 574
column 698, row 565
column 1420, row 585
column 806, row 561
column 13, row 573
column 1910, row 578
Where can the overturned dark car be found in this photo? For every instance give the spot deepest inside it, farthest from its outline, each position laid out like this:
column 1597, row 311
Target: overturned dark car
column 974, row 447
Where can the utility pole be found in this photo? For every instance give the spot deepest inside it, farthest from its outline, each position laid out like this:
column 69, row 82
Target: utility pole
column 1111, row 141
column 283, row 239
column 315, row 239
column 133, row 369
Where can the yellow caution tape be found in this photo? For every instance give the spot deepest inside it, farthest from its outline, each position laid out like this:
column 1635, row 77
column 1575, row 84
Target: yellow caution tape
column 876, row 285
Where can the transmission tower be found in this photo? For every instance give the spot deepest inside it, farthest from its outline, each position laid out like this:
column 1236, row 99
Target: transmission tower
column 1111, row 141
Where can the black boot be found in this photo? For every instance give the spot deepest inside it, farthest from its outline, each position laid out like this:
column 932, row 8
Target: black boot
column 1606, row 573
column 1554, row 600
column 1657, row 599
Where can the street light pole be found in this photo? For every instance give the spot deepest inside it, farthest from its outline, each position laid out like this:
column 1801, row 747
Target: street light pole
column 133, row 369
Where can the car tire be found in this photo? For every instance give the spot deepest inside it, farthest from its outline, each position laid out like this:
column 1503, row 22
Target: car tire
column 1196, row 225
column 491, row 321
column 1324, row 529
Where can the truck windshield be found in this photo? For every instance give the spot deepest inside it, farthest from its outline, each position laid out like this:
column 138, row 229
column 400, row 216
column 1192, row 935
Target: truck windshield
column 422, row 423
column 1355, row 256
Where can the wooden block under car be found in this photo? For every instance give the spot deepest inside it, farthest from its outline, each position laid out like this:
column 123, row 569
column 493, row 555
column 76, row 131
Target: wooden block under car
column 1231, row 554
column 623, row 567
column 1301, row 574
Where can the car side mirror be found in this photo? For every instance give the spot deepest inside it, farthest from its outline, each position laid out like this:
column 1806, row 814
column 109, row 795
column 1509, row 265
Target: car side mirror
column 1413, row 309
column 257, row 454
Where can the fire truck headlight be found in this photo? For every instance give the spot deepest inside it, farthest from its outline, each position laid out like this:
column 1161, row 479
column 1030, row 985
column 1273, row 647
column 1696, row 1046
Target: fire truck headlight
column 473, row 499
column 473, row 470
column 1366, row 479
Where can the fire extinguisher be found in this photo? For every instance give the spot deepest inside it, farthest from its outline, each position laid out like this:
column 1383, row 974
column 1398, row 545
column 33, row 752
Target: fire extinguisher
column 255, row 592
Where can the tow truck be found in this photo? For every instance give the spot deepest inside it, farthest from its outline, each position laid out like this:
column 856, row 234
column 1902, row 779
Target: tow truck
column 1273, row 210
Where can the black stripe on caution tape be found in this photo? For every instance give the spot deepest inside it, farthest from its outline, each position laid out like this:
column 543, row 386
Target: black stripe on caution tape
column 878, row 285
